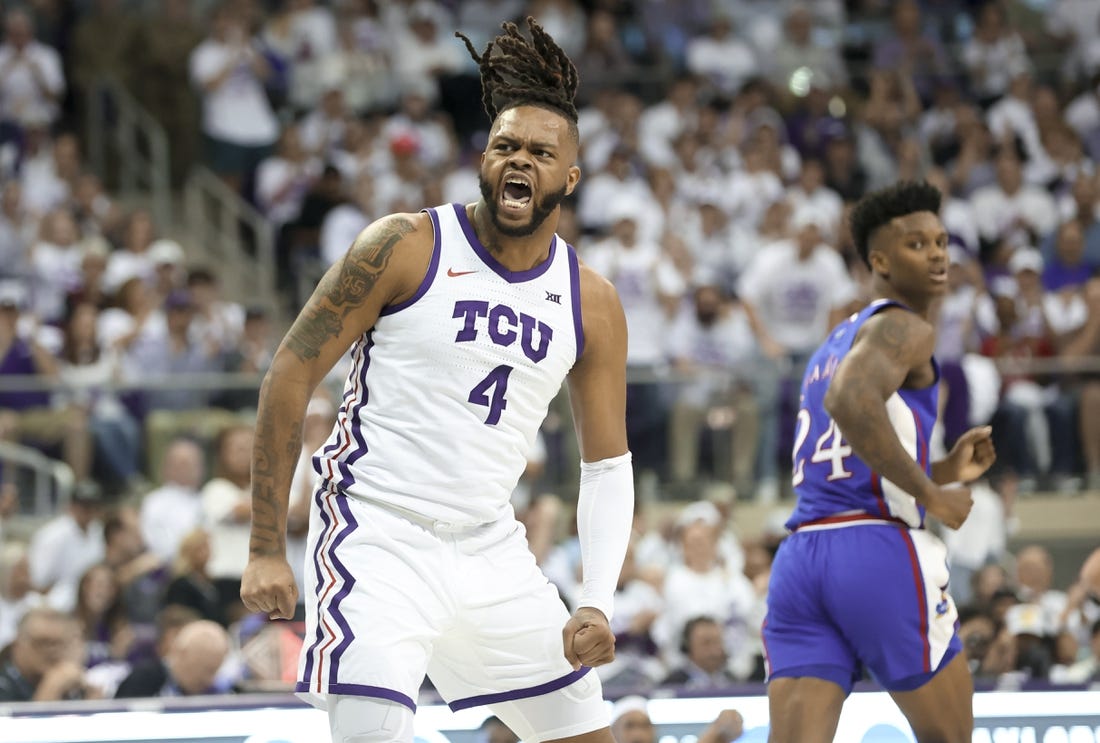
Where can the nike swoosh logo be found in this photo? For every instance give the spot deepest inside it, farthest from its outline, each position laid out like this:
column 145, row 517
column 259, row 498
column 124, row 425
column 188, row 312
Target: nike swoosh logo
column 452, row 272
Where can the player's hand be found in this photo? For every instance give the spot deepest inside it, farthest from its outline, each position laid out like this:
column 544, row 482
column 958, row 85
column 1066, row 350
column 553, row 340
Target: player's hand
column 973, row 454
column 588, row 639
column 950, row 505
column 268, row 586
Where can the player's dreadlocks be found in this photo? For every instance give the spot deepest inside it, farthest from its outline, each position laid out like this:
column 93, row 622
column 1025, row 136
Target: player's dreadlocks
column 535, row 73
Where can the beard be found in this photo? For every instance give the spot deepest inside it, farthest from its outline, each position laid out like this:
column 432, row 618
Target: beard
column 540, row 210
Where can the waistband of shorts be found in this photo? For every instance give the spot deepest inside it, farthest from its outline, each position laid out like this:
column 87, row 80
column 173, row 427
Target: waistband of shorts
column 845, row 520
column 421, row 520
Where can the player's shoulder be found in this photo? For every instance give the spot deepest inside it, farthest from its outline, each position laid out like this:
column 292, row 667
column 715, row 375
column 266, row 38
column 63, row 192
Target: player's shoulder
column 400, row 227
column 898, row 331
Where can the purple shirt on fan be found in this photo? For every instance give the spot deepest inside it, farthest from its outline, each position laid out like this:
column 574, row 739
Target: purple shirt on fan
column 19, row 360
column 1058, row 276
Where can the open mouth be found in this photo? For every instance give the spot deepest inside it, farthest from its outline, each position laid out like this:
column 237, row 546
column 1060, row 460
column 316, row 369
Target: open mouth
column 516, row 195
column 939, row 276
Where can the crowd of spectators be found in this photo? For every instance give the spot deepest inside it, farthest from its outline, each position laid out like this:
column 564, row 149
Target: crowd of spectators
column 722, row 144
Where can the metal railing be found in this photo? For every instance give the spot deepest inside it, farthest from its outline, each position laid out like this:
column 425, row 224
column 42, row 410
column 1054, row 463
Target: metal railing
column 124, row 141
column 50, row 476
column 237, row 237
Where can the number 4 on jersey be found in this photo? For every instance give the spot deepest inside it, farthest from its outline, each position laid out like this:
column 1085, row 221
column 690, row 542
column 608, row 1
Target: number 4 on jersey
column 830, row 447
column 479, row 395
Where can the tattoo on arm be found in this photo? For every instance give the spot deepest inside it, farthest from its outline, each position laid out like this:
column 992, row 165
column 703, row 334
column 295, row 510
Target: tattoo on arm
column 858, row 398
column 270, row 470
column 343, row 291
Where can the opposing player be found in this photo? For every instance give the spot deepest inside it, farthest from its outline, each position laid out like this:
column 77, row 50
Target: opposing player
column 463, row 322
column 860, row 583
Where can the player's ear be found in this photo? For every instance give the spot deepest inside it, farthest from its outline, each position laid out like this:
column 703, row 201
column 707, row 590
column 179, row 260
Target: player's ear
column 572, row 179
column 880, row 264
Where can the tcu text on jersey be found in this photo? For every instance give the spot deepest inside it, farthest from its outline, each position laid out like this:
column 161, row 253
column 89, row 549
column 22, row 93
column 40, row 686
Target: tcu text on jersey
column 505, row 325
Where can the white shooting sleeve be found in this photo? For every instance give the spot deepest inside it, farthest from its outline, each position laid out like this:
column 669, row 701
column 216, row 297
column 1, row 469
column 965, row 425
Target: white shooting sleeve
column 605, row 517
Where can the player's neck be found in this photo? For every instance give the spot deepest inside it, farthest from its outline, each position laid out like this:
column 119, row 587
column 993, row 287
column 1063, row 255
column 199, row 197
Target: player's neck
column 514, row 253
column 922, row 305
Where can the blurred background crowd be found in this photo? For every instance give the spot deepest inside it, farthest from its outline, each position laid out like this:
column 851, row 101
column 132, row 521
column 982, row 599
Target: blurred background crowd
column 722, row 144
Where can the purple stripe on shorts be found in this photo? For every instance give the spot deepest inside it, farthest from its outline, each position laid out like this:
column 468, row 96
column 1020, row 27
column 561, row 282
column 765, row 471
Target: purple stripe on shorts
column 362, row 690
column 509, row 696
column 429, row 277
column 353, row 418
column 349, row 581
column 575, row 295
column 487, row 258
column 350, row 392
column 308, row 672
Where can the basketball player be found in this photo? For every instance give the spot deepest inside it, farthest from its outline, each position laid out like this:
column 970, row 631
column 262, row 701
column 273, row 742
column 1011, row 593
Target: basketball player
column 463, row 322
column 860, row 583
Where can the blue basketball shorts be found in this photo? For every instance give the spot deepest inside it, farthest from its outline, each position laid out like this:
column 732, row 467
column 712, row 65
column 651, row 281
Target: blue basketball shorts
column 867, row 595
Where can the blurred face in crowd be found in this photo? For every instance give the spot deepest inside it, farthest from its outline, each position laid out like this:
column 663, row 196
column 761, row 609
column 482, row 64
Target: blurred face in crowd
column 698, row 542
column 183, row 464
column 799, row 25
column 1034, row 569
column 139, row 231
column 708, row 305
column 236, row 452
column 178, row 318
column 812, row 176
column 705, row 647
column 44, row 639
column 196, row 655
column 907, row 18
column 986, row 582
column 1008, row 172
column 66, row 155
column 82, row 322
column 1084, row 196
column 18, row 30
column 758, row 561
column 98, row 590
column 59, row 228
column 633, row 727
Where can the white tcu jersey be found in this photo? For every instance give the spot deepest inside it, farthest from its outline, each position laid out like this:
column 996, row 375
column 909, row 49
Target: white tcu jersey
column 448, row 390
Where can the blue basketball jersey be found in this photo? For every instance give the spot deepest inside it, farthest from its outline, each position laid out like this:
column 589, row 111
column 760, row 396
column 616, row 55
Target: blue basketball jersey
column 832, row 483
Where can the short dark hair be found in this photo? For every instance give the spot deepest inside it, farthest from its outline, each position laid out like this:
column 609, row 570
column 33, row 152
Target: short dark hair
column 526, row 73
column 878, row 208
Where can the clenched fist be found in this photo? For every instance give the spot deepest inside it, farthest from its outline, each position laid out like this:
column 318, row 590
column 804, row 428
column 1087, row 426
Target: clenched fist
column 268, row 586
column 588, row 639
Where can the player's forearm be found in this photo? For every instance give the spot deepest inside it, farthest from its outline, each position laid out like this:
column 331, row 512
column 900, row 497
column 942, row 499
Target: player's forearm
column 860, row 413
column 277, row 447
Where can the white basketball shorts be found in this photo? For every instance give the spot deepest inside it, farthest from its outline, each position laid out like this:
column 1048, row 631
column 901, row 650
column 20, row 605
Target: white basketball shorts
column 394, row 599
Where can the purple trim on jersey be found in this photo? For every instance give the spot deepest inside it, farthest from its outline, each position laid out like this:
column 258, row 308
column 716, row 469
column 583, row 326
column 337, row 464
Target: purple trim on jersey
column 429, row 277
column 362, row 690
column 307, row 673
column 575, row 295
column 512, row 277
column 356, row 431
column 922, row 597
column 349, row 581
column 510, row 696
